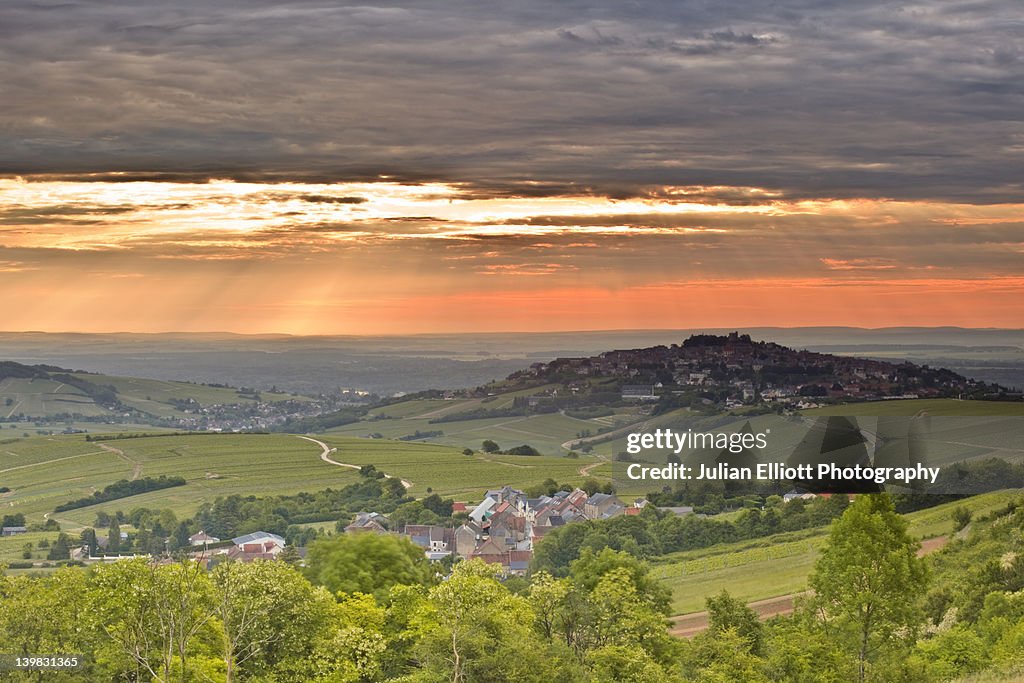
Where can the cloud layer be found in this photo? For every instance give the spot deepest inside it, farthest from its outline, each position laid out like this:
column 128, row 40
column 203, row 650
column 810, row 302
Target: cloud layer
column 809, row 98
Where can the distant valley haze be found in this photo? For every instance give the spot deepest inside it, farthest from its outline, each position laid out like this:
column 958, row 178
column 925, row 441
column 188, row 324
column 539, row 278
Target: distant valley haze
column 406, row 363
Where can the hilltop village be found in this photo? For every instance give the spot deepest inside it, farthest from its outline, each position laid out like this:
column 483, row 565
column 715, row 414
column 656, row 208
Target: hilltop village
column 733, row 370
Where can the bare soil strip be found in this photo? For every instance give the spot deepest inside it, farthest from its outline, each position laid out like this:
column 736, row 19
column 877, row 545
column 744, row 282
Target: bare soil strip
column 689, row 625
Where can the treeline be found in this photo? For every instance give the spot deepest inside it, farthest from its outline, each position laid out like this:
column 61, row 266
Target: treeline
column 418, row 434
column 103, row 394
column 123, row 489
column 493, row 448
column 18, row 371
column 237, row 515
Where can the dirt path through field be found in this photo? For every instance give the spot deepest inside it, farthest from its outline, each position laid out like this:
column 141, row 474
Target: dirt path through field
column 689, row 625
column 16, row 406
column 325, row 455
column 49, row 462
column 136, row 465
column 585, row 470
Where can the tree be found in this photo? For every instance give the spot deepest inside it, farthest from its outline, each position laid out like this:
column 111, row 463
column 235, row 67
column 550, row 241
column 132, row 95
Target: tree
column 114, row 537
column 868, row 579
column 726, row 612
column 17, row 519
column 471, row 628
column 153, row 615
column 723, row 658
column 355, row 648
column 366, row 563
column 61, row 549
column 588, row 571
column 46, row 614
column 489, row 446
column 267, row 611
column 290, row 555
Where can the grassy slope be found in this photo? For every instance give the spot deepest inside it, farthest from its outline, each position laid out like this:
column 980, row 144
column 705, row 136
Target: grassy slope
column 779, row 565
column 47, row 471
column 152, row 395
column 938, row 407
column 546, row 433
column 38, row 397
column 43, row 397
column 55, row 470
column 447, row 471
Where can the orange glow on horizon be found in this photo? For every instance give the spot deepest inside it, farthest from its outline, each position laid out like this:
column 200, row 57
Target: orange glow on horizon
column 371, row 258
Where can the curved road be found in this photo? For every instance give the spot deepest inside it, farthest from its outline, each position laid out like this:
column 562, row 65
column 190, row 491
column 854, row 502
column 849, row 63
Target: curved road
column 325, row 455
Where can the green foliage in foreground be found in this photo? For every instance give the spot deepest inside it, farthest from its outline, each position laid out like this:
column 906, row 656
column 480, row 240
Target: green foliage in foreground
column 366, row 563
column 265, row 622
column 878, row 615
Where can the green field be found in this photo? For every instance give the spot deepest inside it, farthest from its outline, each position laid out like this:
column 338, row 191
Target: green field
column 949, row 407
column 44, row 397
column 153, row 396
column 779, row 565
column 41, row 397
column 11, row 546
column 44, row 472
column 447, row 471
column 548, row 432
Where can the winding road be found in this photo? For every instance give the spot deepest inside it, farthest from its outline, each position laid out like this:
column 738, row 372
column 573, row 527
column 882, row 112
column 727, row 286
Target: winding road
column 325, row 455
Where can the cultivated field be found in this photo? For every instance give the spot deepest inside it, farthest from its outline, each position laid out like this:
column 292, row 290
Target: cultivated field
column 44, row 397
column 447, row 471
column 779, row 565
column 930, row 406
column 45, row 472
column 41, row 397
column 153, row 396
column 548, row 433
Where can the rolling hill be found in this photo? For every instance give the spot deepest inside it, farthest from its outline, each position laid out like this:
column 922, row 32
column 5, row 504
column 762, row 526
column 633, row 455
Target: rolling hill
column 44, row 391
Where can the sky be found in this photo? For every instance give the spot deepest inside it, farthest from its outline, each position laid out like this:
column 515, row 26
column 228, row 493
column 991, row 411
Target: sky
column 328, row 167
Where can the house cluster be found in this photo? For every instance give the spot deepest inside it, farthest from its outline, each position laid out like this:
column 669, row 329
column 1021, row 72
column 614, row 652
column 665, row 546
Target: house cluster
column 250, row 416
column 258, row 545
column 503, row 527
column 204, row 548
column 748, row 371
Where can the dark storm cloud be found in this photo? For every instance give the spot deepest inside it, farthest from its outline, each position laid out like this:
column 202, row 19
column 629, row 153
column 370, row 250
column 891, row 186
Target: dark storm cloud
column 812, row 97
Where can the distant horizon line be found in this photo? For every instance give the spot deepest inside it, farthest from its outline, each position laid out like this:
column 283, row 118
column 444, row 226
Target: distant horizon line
column 210, row 333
